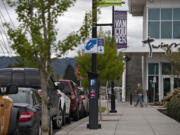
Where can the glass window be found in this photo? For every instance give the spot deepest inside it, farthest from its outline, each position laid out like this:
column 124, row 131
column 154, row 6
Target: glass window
column 166, row 69
column 37, row 97
column 20, row 97
column 66, row 86
column 176, row 82
column 18, row 78
column 32, row 78
column 153, row 30
column 5, row 78
column 166, row 14
column 164, row 23
column 153, row 89
column 176, row 14
column 166, row 30
column 154, row 14
column 176, row 29
column 153, row 68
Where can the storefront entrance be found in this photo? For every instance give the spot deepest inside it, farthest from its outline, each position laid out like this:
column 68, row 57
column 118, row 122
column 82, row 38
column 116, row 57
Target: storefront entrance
column 166, row 86
column 153, row 90
column 176, row 82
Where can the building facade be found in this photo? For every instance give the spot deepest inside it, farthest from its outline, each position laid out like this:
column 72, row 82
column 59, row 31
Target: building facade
column 148, row 64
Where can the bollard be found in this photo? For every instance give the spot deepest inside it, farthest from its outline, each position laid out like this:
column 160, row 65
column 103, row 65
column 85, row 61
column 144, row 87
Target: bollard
column 131, row 98
column 113, row 103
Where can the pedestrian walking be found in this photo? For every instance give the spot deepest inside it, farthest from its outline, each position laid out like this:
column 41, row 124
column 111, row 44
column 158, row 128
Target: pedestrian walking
column 139, row 93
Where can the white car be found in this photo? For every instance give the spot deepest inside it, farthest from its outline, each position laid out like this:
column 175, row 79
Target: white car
column 85, row 100
column 65, row 102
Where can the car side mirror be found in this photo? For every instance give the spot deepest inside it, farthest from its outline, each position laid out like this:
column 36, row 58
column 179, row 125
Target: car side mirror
column 10, row 89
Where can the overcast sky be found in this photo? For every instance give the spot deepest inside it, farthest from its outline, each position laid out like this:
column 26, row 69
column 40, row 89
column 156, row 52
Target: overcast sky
column 73, row 18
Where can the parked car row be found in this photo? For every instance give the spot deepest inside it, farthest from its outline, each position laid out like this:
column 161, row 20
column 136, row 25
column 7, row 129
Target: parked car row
column 65, row 101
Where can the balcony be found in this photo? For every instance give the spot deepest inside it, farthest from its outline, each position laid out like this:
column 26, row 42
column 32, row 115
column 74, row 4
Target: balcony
column 136, row 7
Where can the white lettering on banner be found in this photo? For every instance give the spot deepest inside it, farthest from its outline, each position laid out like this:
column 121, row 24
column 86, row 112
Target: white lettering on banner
column 121, row 23
column 120, row 29
column 120, row 39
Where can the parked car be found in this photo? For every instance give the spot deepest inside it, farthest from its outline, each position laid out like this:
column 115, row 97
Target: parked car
column 71, row 90
column 65, row 103
column 28, row 103
column 84, row 97
column 8, row 113
column 30, row 77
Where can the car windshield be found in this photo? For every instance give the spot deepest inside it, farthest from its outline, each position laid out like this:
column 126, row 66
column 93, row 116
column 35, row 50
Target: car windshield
column 20, row 97
column 66, row 87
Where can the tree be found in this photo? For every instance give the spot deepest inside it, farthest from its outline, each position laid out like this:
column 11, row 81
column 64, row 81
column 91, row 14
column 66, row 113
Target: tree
column 70, row 74
column 174, row 58
column 35, row 38
column 110, row 64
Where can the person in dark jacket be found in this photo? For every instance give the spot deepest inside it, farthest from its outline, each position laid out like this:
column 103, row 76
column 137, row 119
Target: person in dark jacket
column 139, row 93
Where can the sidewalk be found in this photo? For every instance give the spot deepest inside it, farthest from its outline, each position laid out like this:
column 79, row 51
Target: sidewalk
column 128, row 121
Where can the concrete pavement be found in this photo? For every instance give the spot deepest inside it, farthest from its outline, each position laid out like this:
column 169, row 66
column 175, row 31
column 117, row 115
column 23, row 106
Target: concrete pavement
column 128, row 121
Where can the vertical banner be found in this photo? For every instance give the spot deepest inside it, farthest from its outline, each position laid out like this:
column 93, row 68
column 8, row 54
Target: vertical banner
column 120, row 29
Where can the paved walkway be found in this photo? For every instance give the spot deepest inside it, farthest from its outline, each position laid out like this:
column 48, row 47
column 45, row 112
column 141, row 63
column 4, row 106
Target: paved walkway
column 128, row 121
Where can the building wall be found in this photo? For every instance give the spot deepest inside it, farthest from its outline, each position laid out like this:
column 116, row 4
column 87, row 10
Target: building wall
column 158, row 4
column 133, row 73
column 137, row 72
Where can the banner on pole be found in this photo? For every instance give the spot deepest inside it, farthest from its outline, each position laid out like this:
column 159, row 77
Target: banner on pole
column 120, row 29
column 107, row 3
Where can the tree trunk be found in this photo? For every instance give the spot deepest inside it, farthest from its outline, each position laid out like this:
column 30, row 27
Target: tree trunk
column 45, row 113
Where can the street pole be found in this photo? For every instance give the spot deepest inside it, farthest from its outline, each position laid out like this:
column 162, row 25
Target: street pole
column 113, row 104
column 93, row 78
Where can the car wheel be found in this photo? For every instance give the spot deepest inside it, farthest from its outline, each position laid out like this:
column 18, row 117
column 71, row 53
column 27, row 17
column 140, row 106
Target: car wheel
column 39, row 130
column 77, row 115
column 13, row 121
column 68, row 119
column 51, row 127
column 57, row 123
column 63, row 115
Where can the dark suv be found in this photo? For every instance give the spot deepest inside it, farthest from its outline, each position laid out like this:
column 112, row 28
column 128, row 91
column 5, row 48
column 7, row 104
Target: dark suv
column 71, row 90
column 30, row 77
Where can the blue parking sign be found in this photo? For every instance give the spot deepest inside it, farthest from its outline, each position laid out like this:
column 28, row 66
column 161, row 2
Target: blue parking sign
column 94, row 45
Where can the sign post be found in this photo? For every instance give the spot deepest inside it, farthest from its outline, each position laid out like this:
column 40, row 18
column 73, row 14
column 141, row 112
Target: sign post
column 93, row 77
column 113, row 103
column 95, row 46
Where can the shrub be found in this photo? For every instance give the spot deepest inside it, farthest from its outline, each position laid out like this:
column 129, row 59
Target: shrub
column 173, row 106
column 166, row 99
column 102, row 109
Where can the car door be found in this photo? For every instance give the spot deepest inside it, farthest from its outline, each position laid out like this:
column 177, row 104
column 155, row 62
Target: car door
column 75, row 92
column 54, row 99
column 68, row 103
column 37, row 105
